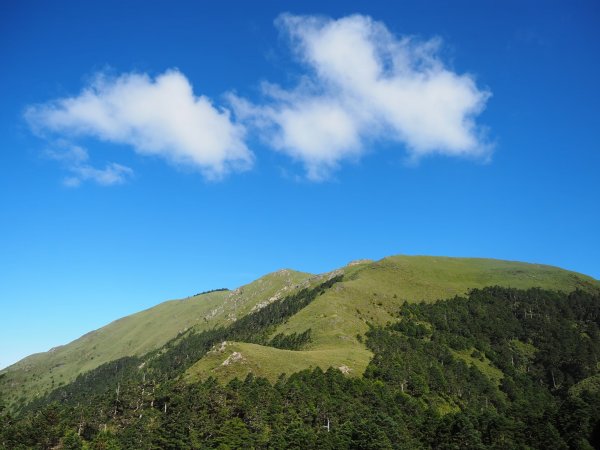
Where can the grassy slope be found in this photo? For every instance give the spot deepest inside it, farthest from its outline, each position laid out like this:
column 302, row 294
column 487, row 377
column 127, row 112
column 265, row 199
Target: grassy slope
column 139, row 333
column 269, row 362
column 372, row 292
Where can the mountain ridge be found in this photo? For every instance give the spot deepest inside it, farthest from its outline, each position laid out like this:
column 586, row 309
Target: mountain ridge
column 371, row 292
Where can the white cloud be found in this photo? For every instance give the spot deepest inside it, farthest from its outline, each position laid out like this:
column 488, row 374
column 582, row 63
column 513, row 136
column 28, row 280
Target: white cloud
column 76, row 161
column 160, row 117
column 361, row 85
column 112, row 173
column 366, row 84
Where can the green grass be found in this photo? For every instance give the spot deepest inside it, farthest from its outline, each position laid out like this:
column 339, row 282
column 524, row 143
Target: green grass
column 483, row 364
column 140, row 333
column 371, row 293
column 523, row 349
column 430, row 278
column 271, row 362
column 590, row 384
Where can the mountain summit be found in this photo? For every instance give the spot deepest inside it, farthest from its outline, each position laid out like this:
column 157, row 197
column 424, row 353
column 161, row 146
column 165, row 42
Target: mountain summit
column 370, row 293
column 409, row 352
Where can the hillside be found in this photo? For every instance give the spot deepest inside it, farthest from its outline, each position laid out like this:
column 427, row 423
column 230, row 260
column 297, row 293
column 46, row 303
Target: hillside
column 372, row 292
column 498, row 367
column 140, row 333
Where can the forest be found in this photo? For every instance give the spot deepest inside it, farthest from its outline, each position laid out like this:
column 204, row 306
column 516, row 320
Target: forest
column 498, row 368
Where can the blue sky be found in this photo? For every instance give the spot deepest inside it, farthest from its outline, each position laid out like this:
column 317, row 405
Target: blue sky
column 282, row 134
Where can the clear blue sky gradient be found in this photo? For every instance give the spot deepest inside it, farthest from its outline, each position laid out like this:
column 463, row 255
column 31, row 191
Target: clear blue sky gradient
column 72, row 260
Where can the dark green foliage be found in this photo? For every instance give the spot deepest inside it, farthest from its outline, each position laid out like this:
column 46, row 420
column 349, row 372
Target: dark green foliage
column 256, row 327
column 72, row 441
column 93, row 382
column 210, row 291
column 292, row 341
column 417, row 393
column 180, row 353
column 563, row 329
column 105, row 441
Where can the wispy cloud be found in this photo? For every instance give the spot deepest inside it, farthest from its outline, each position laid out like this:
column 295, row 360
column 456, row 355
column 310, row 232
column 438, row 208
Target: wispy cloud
column 161, row 117
column 364, row 84
column 75, row 159
column 359, row 85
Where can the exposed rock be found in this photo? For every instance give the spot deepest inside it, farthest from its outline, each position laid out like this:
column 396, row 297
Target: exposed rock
column 219, row 348
column 233, row 358
column 334, row 274
column 345, row 369
column 356, row 262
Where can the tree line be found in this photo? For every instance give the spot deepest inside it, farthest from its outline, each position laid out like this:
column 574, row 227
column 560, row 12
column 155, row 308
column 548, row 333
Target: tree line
column 499, row 368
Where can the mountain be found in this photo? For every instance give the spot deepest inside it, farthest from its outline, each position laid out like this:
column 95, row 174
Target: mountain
column 348, row 319
column 140, row 333
column 372, row 293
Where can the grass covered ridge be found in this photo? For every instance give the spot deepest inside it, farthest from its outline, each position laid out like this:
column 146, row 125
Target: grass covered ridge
column 371, row 293
column 140, row 333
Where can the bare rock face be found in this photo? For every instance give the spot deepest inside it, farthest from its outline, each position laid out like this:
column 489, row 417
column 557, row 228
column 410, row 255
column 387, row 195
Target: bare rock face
column 345, row 369
column 233, row 358
column 218, row 348
column 356, row 262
